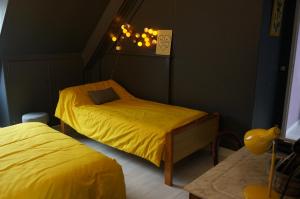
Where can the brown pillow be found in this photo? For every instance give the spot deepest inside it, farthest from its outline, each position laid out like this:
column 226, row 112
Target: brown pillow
column 103, row 96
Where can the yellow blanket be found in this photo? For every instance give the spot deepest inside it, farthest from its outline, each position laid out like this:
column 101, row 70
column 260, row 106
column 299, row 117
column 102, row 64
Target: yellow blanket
column 129, row 124
column 37, row 162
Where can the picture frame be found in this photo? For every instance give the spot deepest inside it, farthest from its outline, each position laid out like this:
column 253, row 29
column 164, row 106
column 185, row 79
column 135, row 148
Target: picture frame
column 276, row 20
column 164, row 42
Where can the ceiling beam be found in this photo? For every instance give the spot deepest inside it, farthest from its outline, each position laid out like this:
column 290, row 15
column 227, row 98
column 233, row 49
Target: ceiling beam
column 101, row 29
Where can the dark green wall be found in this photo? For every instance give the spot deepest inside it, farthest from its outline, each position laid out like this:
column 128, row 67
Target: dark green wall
column 268, row 70
column 136, row 66
column 49, row 26
column 216, row 58
column 40, row 48
column 32, row 84
column 222, row 56
column 144, row 76
column 216, row 51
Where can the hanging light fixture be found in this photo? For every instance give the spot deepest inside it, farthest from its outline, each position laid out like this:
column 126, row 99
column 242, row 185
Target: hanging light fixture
column 118, row 48
column 114, row 39
column 140, row 43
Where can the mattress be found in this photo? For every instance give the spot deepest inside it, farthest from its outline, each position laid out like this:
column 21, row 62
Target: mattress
column 130, row 124
column 38, row 162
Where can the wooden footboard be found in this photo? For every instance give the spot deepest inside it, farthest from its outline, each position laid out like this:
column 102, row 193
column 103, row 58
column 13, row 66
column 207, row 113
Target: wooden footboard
column 185, row 140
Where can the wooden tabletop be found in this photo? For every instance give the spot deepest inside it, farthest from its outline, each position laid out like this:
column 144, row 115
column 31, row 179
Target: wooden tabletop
column 228, row 179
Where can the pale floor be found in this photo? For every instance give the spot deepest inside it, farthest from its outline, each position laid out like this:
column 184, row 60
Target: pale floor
column 145, row 181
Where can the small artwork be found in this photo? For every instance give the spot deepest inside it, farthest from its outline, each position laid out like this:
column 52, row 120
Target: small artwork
column 276, row 20
column 164, row 41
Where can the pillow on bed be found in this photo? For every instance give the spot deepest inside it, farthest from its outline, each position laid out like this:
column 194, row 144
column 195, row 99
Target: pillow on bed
column 103, row 96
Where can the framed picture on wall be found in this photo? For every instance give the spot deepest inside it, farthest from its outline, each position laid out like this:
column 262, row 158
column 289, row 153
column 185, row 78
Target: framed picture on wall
column 276, row 20
column 164, row 42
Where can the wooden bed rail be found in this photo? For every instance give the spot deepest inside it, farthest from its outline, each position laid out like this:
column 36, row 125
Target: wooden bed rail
column 169, row 147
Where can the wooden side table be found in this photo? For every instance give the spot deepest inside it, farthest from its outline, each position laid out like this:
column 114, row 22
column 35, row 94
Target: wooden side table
column 228, row 179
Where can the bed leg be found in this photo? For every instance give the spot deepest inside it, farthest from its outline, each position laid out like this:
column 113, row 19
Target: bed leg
column 62, row 126
column 215, row 142
column 169, row 160
column 214, row 151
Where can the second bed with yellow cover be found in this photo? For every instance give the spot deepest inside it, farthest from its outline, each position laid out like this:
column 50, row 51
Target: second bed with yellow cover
column 37, row 162
column 129, row 124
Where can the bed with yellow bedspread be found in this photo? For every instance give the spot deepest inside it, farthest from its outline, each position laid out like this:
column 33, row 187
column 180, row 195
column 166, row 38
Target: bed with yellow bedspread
column 37, row 162
column 129, row 124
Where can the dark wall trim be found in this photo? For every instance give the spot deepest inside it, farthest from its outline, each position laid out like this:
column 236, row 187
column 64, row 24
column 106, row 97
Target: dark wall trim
column 41, row 57
column 101, row 29
column 32, row 83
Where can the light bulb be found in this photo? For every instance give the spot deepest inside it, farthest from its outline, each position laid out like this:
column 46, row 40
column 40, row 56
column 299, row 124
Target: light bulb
column 118, row 19
column 118, row 48
column 146, row 29
column 134, row 41
column 155, row 32
column 128, row 34
column 154, row 41
column 150, row 31
column 124, row 31
column 147, row 44
column 114, row 38
column 147, row 39
column 123, row 27
column 137, row 35
column 139, row 43
column 144, row 35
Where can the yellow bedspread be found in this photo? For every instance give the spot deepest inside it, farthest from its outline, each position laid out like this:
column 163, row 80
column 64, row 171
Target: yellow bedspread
column 37, row 162
column 129, row 124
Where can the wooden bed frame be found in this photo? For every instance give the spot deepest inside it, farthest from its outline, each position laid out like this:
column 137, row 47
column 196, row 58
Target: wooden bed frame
column 185, row 140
